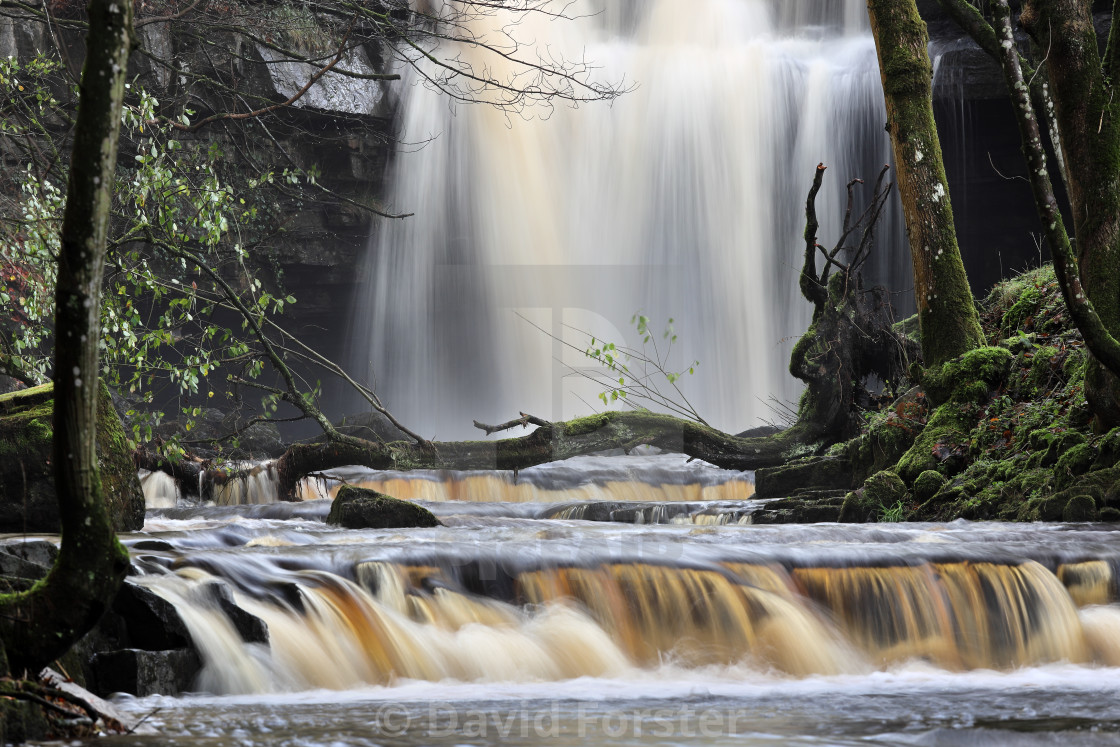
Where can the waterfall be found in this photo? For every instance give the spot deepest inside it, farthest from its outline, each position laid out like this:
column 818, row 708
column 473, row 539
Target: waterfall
column 683, row 199
column 441, row 618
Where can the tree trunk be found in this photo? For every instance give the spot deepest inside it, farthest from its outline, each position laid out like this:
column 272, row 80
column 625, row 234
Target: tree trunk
column 1087, row 116
column 946, row 313
column 39, row 625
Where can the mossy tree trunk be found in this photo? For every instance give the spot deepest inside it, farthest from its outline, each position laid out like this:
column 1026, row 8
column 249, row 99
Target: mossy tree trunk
column 1071, row 90
column 39, row 625
column 1088, row 115
column 949, row 323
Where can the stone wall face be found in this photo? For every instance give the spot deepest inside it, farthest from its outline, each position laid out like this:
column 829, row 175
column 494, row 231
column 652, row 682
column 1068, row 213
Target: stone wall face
column 342, row 126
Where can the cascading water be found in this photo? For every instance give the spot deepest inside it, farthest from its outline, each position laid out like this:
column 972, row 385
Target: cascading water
column 498, row 596
column 683, row 199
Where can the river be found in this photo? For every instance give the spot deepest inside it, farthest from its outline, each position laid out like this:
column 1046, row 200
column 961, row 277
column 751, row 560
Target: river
column 517, row 623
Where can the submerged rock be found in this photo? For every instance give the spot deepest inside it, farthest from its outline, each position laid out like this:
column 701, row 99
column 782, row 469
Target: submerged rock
column 358, row 508
column 28, row 502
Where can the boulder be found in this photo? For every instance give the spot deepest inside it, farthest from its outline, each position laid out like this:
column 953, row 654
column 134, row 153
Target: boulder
column 251, row 628
column 151, row 622
column 28, row 502
column 358, row 508
column 143, row 673
column 27, row 559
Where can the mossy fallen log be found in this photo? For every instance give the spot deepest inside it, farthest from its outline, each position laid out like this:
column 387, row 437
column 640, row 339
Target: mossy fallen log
column 548, row 443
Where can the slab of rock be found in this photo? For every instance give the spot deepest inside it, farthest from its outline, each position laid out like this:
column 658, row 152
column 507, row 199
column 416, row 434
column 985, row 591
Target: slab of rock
column 251, row 628
column 27, row 559
column 811, row 473
column 143, row 673
column 151, row 622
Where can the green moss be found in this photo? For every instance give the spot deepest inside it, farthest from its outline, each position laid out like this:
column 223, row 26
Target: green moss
column 359, row 508
column 909, row 327
column 969, row 377
column 1080, row 508
column 927, row 484
column 1042, row 371
column 588, row 424
column 882, row 495
column 960, row 385
column 1030, row 302
column 26, row 477
column 1075, row 461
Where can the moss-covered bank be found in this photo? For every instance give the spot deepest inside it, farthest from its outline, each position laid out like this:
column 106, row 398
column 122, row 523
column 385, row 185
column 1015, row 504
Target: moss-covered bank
column 27, row 496
column 1002, row 432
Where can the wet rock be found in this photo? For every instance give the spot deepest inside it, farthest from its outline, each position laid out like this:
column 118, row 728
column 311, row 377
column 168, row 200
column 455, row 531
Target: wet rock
column 26, row 563
column 152, row 544
column 39, row 552
column 358, row 508
column 27, row 498
column 151, row 622
column 821, row 473
column 809, row 508
column 143, row 673
column 251, row 628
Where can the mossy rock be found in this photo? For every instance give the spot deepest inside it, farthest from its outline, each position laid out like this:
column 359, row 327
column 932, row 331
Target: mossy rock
column 1109, row 514
column 1074, row 462
column 809, row 507
column 1108, row 450
column 819, row 473
column 22, row 721
column 969, row 377
column 1080, row 508
column 960, row 386
column 1042, row 508
column 28, row 502
column 881, row 493
column 359, row 508
column 1049, row 446
column 927, row 484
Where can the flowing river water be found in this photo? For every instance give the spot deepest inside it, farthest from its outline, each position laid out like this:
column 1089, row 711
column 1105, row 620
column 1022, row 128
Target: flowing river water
column 629, row 599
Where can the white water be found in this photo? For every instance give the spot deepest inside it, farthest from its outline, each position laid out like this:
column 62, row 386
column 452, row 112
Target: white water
column 683, row 199
column 374, row 654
